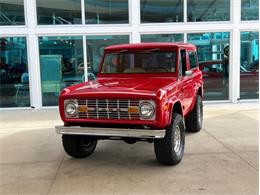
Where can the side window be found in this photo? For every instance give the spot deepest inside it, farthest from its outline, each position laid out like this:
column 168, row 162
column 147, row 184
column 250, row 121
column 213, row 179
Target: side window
column 193, row 59
column 183, row 67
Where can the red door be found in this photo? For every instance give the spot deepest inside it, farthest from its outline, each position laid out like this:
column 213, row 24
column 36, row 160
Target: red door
column 186, row 82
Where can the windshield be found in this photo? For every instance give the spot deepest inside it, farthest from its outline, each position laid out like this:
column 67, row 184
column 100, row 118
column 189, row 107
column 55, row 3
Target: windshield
column 140, row 62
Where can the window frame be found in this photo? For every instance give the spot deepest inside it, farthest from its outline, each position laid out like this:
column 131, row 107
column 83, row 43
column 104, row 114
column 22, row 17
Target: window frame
column 83, row 9
column 149, row 23
column 55, row 25
column 25, row 18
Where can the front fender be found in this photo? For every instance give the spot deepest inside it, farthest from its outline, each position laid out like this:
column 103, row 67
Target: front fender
column 168, row 114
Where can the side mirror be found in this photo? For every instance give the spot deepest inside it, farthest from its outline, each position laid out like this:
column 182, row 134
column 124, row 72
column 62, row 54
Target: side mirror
column 188, row 73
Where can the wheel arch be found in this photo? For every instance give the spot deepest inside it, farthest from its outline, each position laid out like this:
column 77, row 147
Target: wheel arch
column 200, row 92
column 175, row 107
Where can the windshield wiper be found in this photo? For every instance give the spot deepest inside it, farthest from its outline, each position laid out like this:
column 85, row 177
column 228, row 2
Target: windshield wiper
column 151, row 50
column 122, row 51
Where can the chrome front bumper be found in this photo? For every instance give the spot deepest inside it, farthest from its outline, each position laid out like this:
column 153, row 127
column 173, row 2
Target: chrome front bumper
column 111, row 132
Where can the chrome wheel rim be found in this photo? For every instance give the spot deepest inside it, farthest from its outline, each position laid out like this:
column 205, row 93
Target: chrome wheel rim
column 177, row 139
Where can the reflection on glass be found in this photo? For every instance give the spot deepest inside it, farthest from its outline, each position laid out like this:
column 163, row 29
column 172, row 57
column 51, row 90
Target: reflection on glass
column 11, row 12
column 106, row 11
column 213, row 56
column 58, row 12
column 162, row 38
column 61, row 63
column 249, row 65
column 96, row 45
column 161, row 11
column 249, row 9
column 14, row 78
column 211, row 10
column 140, row 62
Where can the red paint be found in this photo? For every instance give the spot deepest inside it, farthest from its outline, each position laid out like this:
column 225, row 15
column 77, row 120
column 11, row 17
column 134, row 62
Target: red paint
column 164, row 88
column 215, row 81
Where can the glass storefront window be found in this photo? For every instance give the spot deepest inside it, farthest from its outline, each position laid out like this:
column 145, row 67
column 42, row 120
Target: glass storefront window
column 95, row 48
column 162, row 38
column 58, row 12
column 211, row 10
column 213, row 56
column 249, row 65
column 14, row 77
column 61, row 65
column 11, row 12
column 161, row 11
column 249, row 9
column 106, row 11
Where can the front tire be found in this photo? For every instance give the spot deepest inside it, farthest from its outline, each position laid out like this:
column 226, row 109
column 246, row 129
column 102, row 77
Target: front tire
column 78, row 146
column 195, row 118
column 169, row 150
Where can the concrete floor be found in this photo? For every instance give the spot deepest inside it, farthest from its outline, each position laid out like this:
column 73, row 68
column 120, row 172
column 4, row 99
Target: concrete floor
column 221, row 159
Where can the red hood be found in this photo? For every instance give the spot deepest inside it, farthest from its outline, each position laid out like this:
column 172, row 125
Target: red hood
column 112, row 86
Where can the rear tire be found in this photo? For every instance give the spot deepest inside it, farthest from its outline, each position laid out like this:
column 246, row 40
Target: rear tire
column 78, row 146
column 195, row 118
column 169, row 150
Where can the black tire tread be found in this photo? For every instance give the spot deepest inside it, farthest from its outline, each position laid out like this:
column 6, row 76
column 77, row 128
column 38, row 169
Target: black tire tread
column 191, row 120
column 163, row 148
column 72, row 146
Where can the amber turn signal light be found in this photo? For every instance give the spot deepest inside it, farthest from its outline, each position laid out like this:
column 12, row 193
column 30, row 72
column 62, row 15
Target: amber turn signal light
column 82, row 108
column 133, row 110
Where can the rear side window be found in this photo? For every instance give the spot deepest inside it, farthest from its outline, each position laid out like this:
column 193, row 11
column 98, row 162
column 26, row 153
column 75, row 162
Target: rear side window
column 193, row 59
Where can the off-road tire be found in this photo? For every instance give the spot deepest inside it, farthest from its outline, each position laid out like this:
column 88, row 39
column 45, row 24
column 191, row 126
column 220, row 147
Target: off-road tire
column 164, row 148
column 194, row 119
column 78, row 146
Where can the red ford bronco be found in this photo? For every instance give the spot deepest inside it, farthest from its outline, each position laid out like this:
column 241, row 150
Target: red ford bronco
column 144, row 92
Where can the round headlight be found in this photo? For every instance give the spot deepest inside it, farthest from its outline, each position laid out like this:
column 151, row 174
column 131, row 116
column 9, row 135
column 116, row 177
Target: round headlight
column 71, row 109
column 146, row 110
